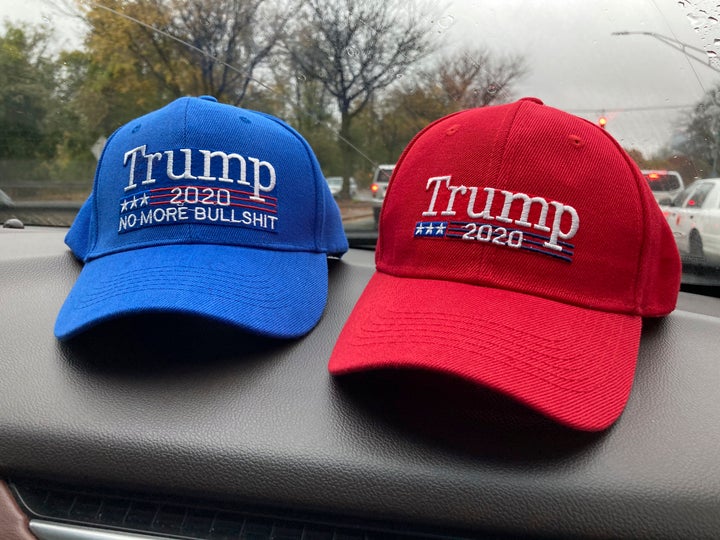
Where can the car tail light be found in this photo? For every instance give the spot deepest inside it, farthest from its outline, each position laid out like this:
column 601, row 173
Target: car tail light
column 374, row 188
column 655, row 175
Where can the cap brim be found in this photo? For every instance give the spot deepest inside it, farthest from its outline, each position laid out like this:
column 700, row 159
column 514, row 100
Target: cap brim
column 274, row 293
column 573, row 364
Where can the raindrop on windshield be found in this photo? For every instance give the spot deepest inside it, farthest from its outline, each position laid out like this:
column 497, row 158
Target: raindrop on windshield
column 446, row 22
column 695, row 21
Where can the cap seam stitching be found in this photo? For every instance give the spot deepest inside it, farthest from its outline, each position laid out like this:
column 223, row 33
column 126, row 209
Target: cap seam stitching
column 94, row 218
column 505, row 148
column 285, row 248
column 637, row 296
column 379, row 245
column 616, row 311
column 186, row 230
column 316, row 170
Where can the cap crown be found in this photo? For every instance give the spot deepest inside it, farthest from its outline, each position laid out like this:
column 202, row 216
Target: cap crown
column 197, row 171
column 527, row 198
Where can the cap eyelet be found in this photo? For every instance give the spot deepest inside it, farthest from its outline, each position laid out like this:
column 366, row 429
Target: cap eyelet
column 452, row 130
column 576, row 141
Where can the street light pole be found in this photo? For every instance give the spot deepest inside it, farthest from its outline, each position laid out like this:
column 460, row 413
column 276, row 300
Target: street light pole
column 704, row 59
column 678, row 45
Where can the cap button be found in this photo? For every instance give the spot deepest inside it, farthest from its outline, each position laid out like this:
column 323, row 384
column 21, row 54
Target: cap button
column 209, row 98
column 533, row 99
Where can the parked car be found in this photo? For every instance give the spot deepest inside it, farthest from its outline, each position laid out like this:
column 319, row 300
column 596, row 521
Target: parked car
column 694, row 217
column 379, row 186
column 336, row 184
column 664, row 184
column 381, row 178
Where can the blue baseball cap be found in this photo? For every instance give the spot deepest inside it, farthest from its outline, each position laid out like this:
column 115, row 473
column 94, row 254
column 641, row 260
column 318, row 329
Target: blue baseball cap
column 210, row 210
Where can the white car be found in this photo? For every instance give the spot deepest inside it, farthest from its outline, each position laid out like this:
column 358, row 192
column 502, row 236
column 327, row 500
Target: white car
column 379, row 186
column 694, row 217
column 664, row 184
column 381, row 178
column 336, row 182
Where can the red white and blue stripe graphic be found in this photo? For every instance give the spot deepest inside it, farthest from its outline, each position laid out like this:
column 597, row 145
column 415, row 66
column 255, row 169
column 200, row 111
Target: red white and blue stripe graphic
column 198, row 204
column 511, row 237
column 181, row 195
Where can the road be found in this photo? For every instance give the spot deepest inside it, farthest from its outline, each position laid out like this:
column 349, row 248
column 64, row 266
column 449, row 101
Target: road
column 357, row 214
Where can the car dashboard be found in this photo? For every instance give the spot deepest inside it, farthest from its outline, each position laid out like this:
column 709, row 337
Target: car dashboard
column 174, row 427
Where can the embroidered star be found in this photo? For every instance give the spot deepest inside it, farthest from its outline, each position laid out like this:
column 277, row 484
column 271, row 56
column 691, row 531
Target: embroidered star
column 429, row 228
column 440, row 229
column 419, row 230
column 133, row 203
column 124, row 206
column 144, row 200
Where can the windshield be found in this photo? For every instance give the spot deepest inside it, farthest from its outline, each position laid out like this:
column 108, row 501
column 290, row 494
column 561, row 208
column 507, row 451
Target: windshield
column 359, row 79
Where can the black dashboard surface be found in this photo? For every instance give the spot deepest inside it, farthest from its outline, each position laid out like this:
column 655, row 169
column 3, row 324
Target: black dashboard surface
column 179, row 406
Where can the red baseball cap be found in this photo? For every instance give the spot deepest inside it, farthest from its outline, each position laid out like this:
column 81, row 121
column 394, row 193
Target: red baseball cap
column 519, row 248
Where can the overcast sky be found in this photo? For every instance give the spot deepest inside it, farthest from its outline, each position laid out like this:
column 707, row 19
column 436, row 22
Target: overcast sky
column 578, row 65
column 575, row 63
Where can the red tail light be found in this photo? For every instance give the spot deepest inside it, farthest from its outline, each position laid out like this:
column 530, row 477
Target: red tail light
column 374, row 188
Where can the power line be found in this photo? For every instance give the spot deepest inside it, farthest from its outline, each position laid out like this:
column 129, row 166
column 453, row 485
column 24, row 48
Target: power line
column 631, row 109
column 219, row 60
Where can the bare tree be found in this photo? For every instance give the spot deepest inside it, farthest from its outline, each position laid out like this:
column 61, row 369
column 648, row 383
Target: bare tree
column 459, row 80
column 189, row 46
column 230, row 39
column 701, row 139
column 476, row 78
column 357, row 49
